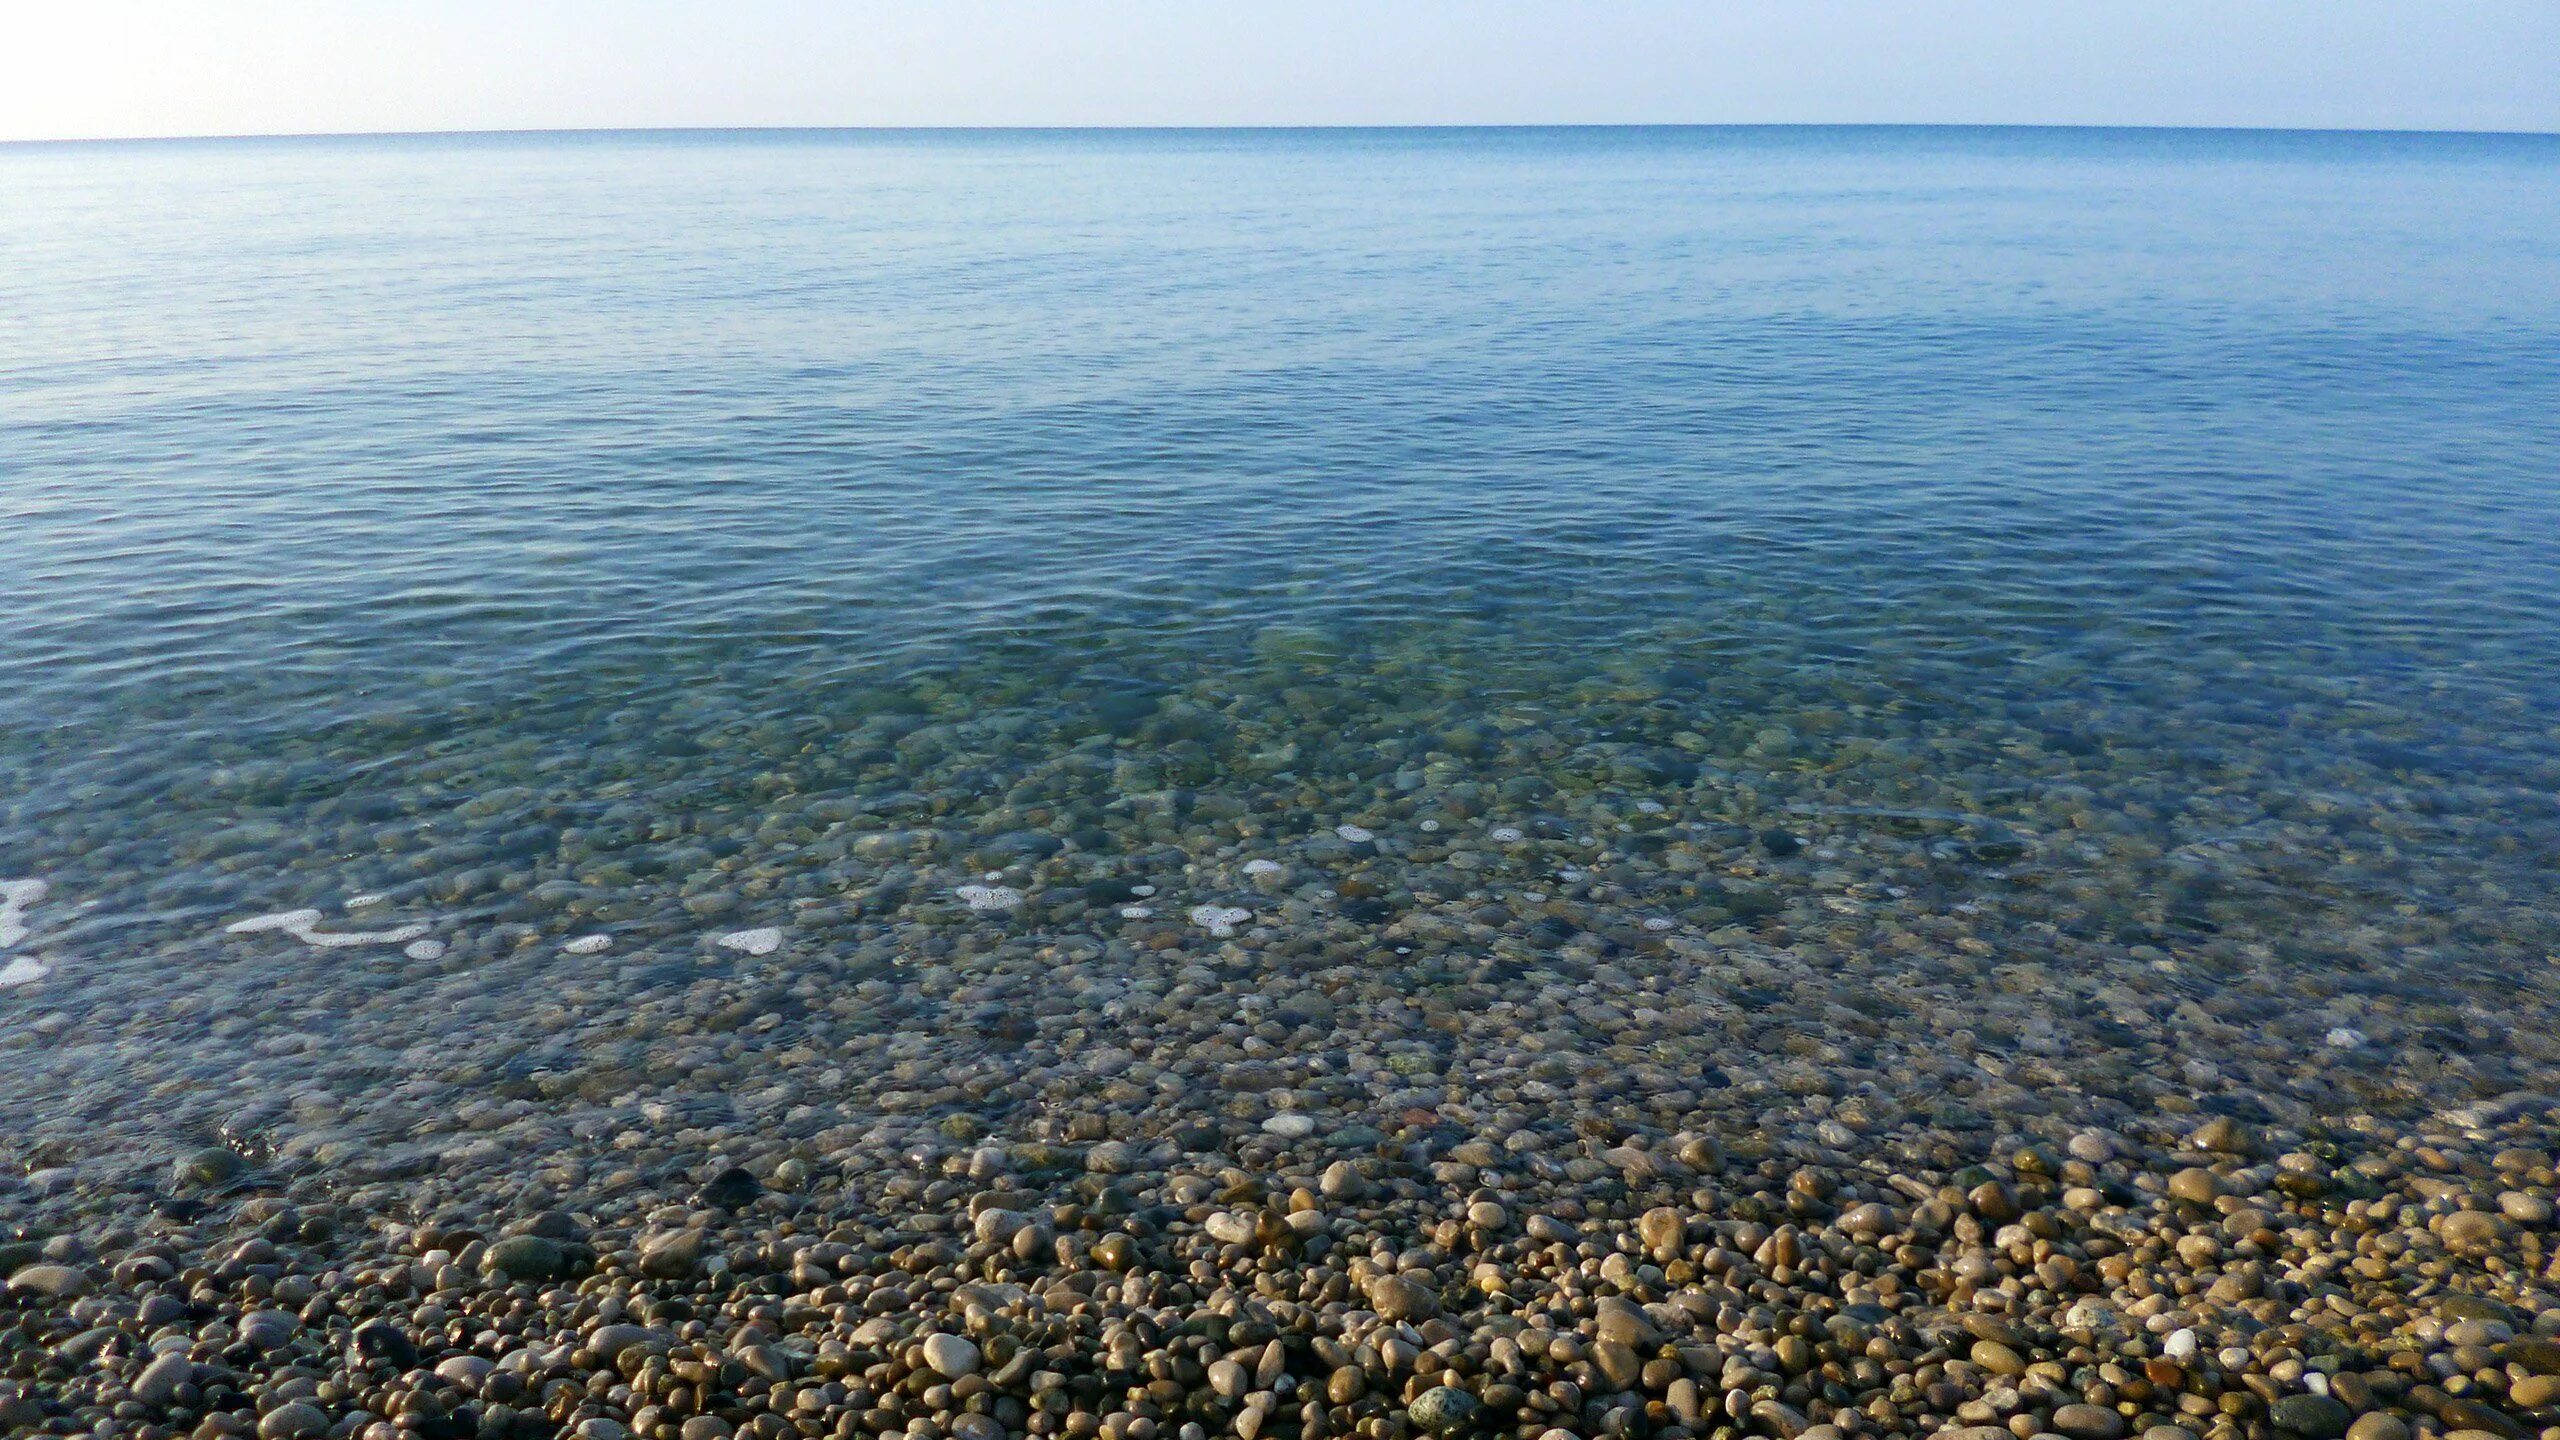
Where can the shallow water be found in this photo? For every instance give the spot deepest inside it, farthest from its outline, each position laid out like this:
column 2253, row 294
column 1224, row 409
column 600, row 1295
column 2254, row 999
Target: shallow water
column 2131, row 555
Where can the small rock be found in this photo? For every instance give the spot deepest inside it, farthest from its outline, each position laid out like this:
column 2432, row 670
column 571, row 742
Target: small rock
column 673, row 1255
column 2378, row 1425
column 526, row 1257
column 2318, row 1416
column 2535, row 1391
column 2087, row 1422
column 61, row 1282
column 609, row 1341
column 267, row 1329
column 205, row 1169
column 159, row 1381
column 951, row 1356
column 732, row 1189
column 1401, row 1297
column 380, row 1341
column 294, row 1420
column 1443, row 1410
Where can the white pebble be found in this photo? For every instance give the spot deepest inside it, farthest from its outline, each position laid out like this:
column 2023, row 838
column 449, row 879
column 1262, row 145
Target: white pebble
column 1648, row 807
column 1354, row 833
column 1291, row 1126
column 1135, row 912
column 16, row 898
column 368, row 898
column 1262, row 867
column 1430, row 827
column 2181, row 1345
column 588, row 945
column 989, row 897
column 1657, row 922
column 425, row 950
column 1142, row 889
column 2346, row 1037
column 1503, row 834
column 762, row 941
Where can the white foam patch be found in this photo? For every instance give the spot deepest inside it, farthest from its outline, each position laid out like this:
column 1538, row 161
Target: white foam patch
column 1503, row 834
column 989, row 897
column 1354, row 833
column 1262, row 867
column 425, row 950
column 588, row 945
column 1219, row 920
column 23, row 971
column 361, row 901
column 762, row 941
column 304, row 925
column 17, row 897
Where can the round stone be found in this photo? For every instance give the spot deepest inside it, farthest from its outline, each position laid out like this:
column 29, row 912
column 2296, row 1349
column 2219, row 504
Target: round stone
column 294, row 1420
column 951, row 1356
column 1443, row 1410
column 526, row 1257
column 2318, row 1416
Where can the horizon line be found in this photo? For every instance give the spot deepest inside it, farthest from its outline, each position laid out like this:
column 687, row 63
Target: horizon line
column 504, row 132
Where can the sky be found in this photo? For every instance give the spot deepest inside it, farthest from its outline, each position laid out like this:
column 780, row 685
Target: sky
column 119, row 68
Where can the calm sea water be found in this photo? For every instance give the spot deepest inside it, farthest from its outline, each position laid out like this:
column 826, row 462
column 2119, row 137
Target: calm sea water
column 564, row 532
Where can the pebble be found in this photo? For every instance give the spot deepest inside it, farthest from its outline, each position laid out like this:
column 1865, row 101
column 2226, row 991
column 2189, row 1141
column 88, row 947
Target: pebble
column 294, row 1420
column 267, row 1329
column 526, row 1257
column 59, row 1282
column 951, row 1356
column 158, row 1383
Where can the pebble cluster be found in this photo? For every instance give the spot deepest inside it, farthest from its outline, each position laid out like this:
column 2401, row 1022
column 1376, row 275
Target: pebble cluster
column 2224, row 1283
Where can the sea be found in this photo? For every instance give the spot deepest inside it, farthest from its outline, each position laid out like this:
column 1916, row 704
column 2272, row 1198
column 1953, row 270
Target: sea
column 444, row 577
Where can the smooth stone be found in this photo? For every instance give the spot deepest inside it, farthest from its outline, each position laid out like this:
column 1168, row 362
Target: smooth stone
column 2378, row 1425
column 267, row 1329
column 735, row 1188
column 61, row 1282
column 1401, row 1297
column 2535, row 1391
column 1997, row 1358
column 609, row 1341
column 159, row 1381
column 380, row 1340
column 294, row 1420
column 1443, row 1410
column 526, row 1257
column 951, row 1356
column 671, row 1256
column 1622, row 1320
column 2321, row 1417
column 2087, row 1422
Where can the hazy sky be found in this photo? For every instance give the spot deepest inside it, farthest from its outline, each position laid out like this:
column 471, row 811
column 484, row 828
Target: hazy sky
column 193, row 67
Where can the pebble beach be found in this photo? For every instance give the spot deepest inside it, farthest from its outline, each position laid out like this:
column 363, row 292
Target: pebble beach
column 1004, row 917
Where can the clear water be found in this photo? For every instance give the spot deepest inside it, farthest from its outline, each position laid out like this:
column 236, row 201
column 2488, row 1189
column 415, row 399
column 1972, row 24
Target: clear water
column 548, row 532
